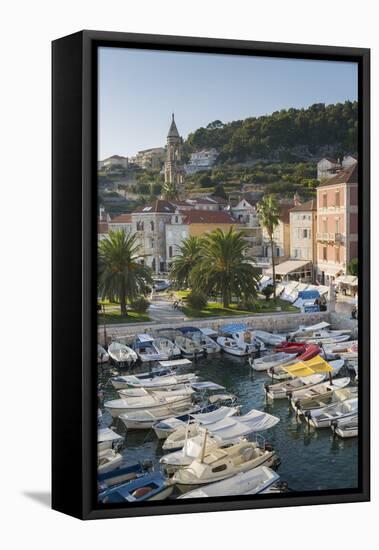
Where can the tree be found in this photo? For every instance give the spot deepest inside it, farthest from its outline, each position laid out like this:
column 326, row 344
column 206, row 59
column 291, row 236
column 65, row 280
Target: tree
column 170, row 191
column 268, row 212
column 353, row 267
column 222, row 267
column 120, row 275
column 183, row 263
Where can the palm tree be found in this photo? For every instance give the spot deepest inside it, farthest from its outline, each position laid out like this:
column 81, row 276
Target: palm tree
column 120, row 275
column 223, row 267
column 268, row 213
column 183, row 263
column 170, row 191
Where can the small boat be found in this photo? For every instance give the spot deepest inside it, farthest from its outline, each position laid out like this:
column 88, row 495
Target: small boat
column 346, row 427
column 187, row 347
column 161, row 382
column 166, row 347
column 145, row 420
column 107, row 439
column 269, row 338
column 320, row 389
column 168, row 426
column 108, row 460
column 226, row 429
column 271, row 361
column 121, row 475
column 323, row 418
column 145, row 402
column 121, row 382
column 146, row 350
column 251, row 482
column 221, row 463
column 304, row 350
column 279, row 373
column 201, row 340
column 178, row 389
column 314, row 402
column 282, row 389
column 323, row 337
column 122, row 354
column 175, row 363
column 229, row 345
column 151, row 486
column 102, row 356
column 311, row 329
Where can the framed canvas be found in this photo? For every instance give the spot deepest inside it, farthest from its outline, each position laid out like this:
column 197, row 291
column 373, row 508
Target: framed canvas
column 211, row 207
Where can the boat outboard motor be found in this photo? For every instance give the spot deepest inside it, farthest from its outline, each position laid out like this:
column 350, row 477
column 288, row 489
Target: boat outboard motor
column 147, row 465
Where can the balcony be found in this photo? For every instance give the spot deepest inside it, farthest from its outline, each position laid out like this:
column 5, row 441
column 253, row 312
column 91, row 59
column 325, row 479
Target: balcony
column 330, row 237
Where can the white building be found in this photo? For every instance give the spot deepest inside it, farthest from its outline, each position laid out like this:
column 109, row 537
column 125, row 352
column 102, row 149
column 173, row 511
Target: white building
column 246, row 213
column 327, row 168
column 150, row 159
column 114, row 161
column 201, row 160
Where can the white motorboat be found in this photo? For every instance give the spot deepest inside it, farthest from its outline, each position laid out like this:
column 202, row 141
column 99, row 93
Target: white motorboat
column 218, row 463
column 146, row 349
column 175, row 363
column 346, row 427
column 145, row 419
column 166, row 347
column 107, row 460
column 281, row 390
column 317, row 401
column 251, row 482
column 161, row 382
column 201, row 340
column 229, row 345
column 122, row 354
column 304, row 330
column 269, row 338
column 107, row 439
column 342, row 347
column 227, row 429
column 102, row 356
column 179, row 389
column 321, row 388
column 323, row 418
column 145, row 402
column 187, row 347
column 271, row 361
column 170, row 425
column 323, row 337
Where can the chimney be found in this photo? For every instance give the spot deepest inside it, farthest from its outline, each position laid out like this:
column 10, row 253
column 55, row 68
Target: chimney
column 296, row 199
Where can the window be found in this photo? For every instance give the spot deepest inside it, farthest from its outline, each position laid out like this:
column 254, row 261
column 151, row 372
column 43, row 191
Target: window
column 337, row 199
column 220, row 468
column 324, row 200
column 170, row 251
column 176, row 219
column 324, row 226
column 152, row 226
column 337, row 225
column 277, row 251
column 337, row 254
column 324, row 253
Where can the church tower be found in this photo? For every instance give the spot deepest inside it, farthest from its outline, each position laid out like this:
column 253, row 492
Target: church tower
column 173, row 168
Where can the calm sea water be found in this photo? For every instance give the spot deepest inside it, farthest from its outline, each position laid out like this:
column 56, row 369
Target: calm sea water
column 310, row 460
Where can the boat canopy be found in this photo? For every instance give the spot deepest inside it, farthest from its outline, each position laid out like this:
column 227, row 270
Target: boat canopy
column 234, row 427
column 175, row 363
column 234, row 327
column 145, row 337
column 188, row 330
column 309, row 294
column 214, row 416
column 307, row 368
column 208, row 331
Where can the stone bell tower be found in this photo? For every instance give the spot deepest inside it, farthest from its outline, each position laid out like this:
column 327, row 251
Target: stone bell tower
column 173, row 168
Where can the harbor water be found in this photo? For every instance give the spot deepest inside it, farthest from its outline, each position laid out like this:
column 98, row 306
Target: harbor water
column 309, row 459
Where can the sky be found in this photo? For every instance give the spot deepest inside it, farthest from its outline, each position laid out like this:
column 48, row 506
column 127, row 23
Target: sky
column 139, row 89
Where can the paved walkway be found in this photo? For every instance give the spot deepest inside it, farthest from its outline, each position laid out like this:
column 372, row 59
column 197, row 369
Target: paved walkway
column 161, row 311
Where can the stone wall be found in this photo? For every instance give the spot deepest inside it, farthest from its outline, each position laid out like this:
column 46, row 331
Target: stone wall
column 277, row 322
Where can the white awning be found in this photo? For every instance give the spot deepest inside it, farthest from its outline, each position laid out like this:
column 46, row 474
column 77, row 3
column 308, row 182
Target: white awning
column 347, row 280
column 290, row 266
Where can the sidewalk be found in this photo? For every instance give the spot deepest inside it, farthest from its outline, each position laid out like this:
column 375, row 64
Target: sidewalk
column 161, row 311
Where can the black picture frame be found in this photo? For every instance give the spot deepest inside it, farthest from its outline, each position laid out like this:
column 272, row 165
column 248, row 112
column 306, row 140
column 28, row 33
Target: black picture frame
column 74, row 334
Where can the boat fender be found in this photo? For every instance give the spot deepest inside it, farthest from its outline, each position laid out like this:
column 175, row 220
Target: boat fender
column 141, row 492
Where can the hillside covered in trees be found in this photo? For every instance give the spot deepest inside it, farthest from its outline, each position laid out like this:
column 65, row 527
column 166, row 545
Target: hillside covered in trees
column 284, row 135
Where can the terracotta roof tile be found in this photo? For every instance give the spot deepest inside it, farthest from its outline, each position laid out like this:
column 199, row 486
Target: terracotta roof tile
column 122, row 218
column 305, row 206
column 209, row 216
column 350, row 175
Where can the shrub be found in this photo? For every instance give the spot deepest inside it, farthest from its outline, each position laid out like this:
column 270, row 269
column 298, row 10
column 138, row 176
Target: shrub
column 140, row 305
column 197, row 300
column 267, row 291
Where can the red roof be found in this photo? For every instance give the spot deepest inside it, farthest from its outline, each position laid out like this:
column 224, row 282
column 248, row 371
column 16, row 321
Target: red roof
column 159, row 205
column 305, row 207
column 122, row 218
column 350, row 175
column 209, row 216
